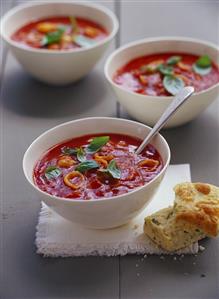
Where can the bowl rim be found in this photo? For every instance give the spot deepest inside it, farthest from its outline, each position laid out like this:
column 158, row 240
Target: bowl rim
column 95, row 200
column 155, row 39
column 99, row 7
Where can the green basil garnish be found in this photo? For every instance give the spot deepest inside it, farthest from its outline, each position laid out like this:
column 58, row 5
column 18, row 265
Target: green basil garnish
column 87, row 165
column 53, row 37
column 113, row 170
column 81, row 155
column 203, row 61
column 174, row 60
column 75, row 151
column 173, row 84
column 69, row 150
column 201, row 71
column 96, row 144
column 83, row 41
column 52, row 172
column 203, row 65
column 165, row 69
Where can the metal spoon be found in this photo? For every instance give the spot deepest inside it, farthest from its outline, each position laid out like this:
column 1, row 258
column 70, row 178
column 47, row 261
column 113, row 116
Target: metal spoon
column 178, row 100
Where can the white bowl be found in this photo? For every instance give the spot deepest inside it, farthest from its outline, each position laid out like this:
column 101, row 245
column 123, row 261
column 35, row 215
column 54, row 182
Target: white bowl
column 148, row 109
column 57, row 67
column 96, row 213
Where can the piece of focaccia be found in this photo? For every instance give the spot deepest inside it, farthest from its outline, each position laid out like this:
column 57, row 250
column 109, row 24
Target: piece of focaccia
column 195, row 215
column 170, row 234
column 198, row 204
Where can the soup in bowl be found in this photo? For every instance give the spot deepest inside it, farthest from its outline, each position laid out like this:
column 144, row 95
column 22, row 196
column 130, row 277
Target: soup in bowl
column 87, row 170
column 166, row 74
column 58, row 42
column 146, row 74
column 60, row 33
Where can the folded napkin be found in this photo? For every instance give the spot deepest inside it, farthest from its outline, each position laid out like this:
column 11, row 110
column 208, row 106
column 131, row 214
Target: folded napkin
column 57, row 237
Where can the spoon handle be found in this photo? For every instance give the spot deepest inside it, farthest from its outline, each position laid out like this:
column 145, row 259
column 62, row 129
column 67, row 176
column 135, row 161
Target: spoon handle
column 177, row 101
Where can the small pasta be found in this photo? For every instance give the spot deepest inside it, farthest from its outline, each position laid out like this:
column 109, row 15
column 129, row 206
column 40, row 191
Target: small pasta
column 150, row 164
column 71, row 175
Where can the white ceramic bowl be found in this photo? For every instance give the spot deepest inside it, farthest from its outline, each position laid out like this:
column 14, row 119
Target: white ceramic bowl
column 96, row 213
column 148, row 109
column 57, row 67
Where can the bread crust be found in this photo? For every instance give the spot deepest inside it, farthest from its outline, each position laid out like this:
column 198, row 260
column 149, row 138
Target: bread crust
column 198, row 204
column 168, row 233
column 194, row 215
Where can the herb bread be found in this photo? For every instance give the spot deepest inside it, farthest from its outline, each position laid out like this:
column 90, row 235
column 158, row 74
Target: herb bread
column 195, row 215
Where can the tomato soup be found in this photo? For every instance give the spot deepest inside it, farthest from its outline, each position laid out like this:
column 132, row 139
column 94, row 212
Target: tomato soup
column 96, row 166
column 60, row 33
column 165, row 74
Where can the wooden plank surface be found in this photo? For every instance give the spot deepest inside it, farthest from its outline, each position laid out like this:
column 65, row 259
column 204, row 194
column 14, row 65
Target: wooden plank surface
column 5, row 5
column 29, row 108
column 197, row 143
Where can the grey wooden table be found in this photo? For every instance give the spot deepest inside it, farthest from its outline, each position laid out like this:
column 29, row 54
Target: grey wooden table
column 28, row 108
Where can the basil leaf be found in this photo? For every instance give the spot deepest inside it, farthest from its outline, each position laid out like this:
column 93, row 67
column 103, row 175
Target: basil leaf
column 173, row 84
column 174, row 60
column 83, row 41
column 75, row 151
column 81, row 155
column 69, row 150
column 203, row 65
column 52, row 172
column 203, row 61
column 53, row 37
column 97, row 143
column 165, row 70
column 74, row 24
column 87, row 165
column 200, row 70
column 113, row 169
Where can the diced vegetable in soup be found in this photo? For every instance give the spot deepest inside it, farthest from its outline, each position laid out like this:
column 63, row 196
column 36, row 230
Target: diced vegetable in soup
column 165, row 74
column 60, row 33
column 96, row 166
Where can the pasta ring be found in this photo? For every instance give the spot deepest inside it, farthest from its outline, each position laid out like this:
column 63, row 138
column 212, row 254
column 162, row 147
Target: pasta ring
column 66, row 161
column 150, row 163
column 72, row 175
column 101, row 161
column 106, row 157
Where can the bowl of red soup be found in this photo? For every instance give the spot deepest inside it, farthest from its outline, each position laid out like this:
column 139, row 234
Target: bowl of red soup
column 87, row 170
column 58, row 42
column 146, row 74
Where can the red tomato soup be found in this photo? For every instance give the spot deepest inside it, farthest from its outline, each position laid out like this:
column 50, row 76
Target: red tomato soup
column 96, row 166
column 165, row 74
column 60, row 33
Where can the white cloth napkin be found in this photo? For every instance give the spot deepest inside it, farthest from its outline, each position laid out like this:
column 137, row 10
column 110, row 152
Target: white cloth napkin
column 57, row 237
